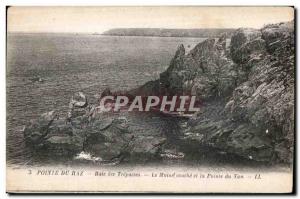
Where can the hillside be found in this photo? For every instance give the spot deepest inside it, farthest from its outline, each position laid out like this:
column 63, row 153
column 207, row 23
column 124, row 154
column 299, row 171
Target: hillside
column 159, row 32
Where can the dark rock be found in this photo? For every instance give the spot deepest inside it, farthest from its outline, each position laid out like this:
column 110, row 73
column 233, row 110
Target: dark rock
column 279, row 37
column 117, row 141
column 148, row 89
column 256, row 79
column 63, row 145
column 106, row 92
column 248, row 108
column 145, row 148
column 102, row 135
column 38, row 129
column 258, row 121
column 204, row 71
column 241, row 41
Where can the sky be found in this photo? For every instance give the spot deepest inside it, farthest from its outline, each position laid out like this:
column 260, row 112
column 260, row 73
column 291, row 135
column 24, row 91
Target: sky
column 99, row 19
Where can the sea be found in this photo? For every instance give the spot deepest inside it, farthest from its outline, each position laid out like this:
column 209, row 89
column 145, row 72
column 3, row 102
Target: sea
column 44, row 70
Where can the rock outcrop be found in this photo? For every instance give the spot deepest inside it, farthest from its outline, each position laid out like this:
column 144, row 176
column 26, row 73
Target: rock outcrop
column 204, row 71
column 257, row 121
column 246, row 83
column 102, row 135
column 247, row 87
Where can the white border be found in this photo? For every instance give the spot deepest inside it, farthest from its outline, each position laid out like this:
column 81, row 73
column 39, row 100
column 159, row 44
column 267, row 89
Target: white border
column 4, row 3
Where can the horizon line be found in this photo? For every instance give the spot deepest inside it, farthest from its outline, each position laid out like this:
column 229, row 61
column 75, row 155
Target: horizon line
column 93, row 32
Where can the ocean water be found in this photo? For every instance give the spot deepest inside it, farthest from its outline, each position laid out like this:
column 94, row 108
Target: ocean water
column 68, row 63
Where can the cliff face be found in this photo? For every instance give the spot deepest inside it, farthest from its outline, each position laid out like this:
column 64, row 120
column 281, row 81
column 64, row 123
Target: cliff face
column 206, row 71
column 254, row 76
column 247, row 89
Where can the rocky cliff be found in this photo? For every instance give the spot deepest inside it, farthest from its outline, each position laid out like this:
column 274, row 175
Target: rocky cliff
column 247, row 89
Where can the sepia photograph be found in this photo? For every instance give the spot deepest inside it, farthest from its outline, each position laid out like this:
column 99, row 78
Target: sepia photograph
column 150, row 99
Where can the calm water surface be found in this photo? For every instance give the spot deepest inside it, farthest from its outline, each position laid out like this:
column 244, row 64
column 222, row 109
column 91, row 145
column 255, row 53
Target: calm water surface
column 69, row 63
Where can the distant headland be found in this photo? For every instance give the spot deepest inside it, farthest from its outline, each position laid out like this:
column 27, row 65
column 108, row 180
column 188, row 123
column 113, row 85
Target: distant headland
column 161, row 32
